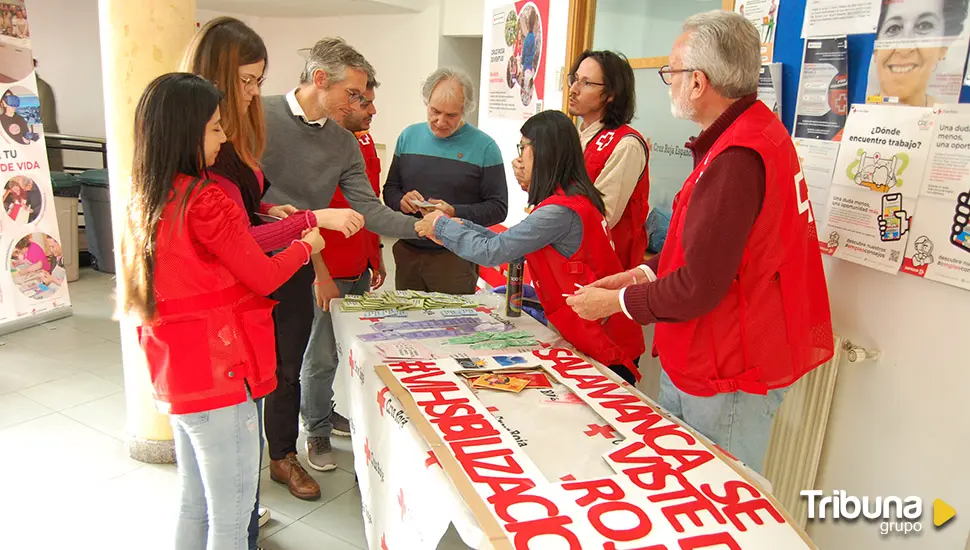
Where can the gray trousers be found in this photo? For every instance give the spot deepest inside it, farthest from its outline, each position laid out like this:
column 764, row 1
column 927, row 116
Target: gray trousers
column 320, row 363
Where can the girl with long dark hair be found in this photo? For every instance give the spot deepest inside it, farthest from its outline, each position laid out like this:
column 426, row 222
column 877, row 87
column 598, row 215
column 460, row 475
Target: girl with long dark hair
column 196, row 281
column 564, row 240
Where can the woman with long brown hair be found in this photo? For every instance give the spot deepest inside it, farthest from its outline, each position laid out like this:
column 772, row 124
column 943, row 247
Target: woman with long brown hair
column 195, row 280
column 232, row 56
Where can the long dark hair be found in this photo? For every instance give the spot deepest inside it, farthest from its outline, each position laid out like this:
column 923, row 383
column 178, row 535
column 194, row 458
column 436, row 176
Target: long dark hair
column 619, row 83
column 170, row 123
column 558, row 159
column 216, row 52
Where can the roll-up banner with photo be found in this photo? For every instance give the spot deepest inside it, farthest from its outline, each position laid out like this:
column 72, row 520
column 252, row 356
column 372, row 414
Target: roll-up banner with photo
column 33, row 281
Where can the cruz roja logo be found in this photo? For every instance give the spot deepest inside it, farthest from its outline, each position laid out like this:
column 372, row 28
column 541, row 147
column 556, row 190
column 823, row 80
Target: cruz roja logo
column 894, row 514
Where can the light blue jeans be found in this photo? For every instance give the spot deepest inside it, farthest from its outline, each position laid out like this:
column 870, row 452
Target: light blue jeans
column 320, row 363
column 218, row 465
column 740, row 423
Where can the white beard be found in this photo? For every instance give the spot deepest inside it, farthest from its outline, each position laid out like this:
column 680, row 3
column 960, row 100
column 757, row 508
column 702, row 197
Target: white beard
column 680, row 109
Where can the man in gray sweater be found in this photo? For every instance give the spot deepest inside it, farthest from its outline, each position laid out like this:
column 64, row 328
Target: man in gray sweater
column 306, row 158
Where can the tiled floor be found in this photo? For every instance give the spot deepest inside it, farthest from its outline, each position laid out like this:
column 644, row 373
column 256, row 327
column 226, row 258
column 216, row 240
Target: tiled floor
column 66, row 480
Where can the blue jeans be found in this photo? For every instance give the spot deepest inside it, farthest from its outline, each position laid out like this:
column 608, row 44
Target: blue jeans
column 740, row 423
column 254, row 519
column 320, row 363
column 218, row 465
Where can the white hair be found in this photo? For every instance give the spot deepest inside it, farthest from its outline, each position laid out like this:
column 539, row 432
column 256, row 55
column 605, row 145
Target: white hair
column 727, row 48
column 457, row 75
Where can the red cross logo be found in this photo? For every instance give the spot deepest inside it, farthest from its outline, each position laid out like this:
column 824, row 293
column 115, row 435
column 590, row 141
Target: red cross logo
column 364, row 139
column 353, row 364
column 432, row 459
column 483, row 309
column 382, row 399
column 367, row 453
column 595, row 429
column 371, row 319
column 604, row 140
column 400, row 502
column 383, row 543
column 568, row 477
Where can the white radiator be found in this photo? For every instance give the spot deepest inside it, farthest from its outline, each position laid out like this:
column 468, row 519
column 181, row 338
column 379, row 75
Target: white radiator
column 797, row 435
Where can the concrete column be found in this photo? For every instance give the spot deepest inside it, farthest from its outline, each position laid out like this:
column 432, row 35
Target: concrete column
column 140, row 40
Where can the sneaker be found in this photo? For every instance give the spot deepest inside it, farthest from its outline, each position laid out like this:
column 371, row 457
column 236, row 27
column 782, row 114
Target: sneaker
column 263, row 516
column 341, row 426
column 319, row 454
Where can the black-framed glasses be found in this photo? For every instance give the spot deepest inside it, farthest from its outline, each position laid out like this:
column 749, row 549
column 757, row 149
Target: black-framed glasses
column 250, row 80
column 521, row 147
column 583, row 82
column 666, row 73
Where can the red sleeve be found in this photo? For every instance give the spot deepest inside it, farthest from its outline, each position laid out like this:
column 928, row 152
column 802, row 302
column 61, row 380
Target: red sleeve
column 264, row 207
column 722, row 211
column 221, row 229
column 276, row 235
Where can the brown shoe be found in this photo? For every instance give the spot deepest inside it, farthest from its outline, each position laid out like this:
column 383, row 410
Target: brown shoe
column 290, row 472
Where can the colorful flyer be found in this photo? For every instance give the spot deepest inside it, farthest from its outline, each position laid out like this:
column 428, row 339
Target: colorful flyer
column 517, row 67
column 920, row 53
column 823, row 90
column 764, row 15
column 33, row 278
column 876, row 183
column 939, row 249
column 502, row 382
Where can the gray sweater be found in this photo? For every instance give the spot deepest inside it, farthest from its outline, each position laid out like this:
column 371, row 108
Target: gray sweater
column 306, row 163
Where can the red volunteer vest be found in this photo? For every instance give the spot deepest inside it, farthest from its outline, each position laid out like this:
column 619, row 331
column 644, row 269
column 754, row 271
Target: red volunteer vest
column 616, row 340
column 349, row 257
column 203, row 348
column 630, row 233
column 774, row 324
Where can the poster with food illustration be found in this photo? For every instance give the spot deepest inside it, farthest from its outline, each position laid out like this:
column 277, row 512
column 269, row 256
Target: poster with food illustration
column 876, row 183
column 940, row 247
column 517, row 68
column 920, row 52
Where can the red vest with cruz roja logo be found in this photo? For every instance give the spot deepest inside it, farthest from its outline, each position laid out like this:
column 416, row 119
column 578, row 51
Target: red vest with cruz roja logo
column 349, row 257
column 629, row 233
column 616, row 340
column 774, row 325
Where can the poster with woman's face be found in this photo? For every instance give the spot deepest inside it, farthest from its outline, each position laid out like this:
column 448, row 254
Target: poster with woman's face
column 920, row 52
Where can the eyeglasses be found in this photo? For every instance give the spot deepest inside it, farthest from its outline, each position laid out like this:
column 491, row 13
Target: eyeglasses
column 666, row 73
column 249, row 81
column 583, row 82
column 521, row 147
column 353, row 96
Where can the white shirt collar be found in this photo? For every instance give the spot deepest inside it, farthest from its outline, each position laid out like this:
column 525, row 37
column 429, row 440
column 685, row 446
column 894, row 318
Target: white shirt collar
column 298, row 111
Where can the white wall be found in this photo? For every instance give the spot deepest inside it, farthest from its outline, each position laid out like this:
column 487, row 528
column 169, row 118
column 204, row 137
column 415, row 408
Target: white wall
column 900, row 426
column 463, row 53
column 461, row 17
column 66, row 44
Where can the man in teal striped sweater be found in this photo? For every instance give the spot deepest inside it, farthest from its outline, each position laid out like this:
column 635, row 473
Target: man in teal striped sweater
column 449, row 165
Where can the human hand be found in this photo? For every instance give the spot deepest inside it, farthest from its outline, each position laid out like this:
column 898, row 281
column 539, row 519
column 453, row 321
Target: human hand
column 439, row 204
column 282, row 210
column 406, row 206
column 594, row 303
column 377, row 277
column 902, row 223
column 313, row 238
column 425, row 227
column 324, row 291
column 343, row 220
column 619, row 280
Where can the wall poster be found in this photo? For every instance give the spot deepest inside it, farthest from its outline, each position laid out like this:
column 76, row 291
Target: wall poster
column 764, row 15
column 32, row 275
column 517, row 68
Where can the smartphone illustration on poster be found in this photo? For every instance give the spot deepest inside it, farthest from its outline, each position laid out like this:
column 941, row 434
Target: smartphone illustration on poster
column 891, row 204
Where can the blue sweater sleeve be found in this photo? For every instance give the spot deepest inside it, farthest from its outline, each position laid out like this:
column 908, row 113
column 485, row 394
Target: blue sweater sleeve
column 550, row 225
